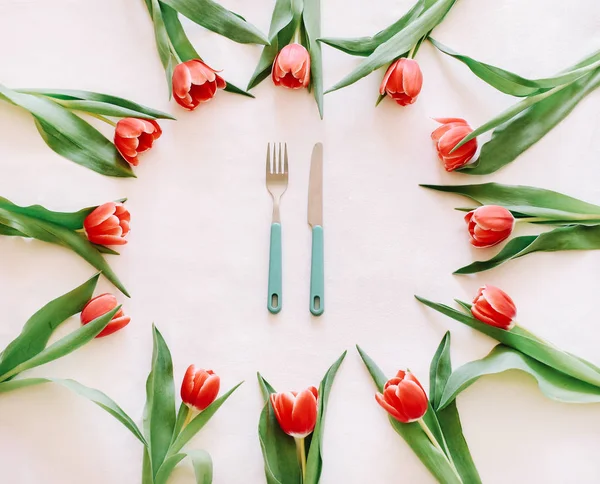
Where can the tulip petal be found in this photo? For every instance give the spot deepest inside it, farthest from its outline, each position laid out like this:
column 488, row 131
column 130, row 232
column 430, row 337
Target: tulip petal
column 107, row 239
column 413, row 400
column 114, row 326
column 207, row 392
column 500, row 301
column 493, row 217
column 99, row 215
column 412, row 80
column 130, row 127
column 386, row 77
column 182, row 80
column 97, row 307
column 187, row 385
column 304, row 414
column 389, row 409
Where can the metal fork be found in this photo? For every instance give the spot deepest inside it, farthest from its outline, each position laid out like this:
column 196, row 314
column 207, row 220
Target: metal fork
column 277, row 181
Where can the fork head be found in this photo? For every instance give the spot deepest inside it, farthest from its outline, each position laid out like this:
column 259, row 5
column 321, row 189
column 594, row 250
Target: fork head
column 277, row 169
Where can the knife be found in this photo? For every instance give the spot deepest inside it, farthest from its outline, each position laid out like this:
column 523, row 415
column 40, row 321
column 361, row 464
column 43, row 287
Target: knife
column 315, row 220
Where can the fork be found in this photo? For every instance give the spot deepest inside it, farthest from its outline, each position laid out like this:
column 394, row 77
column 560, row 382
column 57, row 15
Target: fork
column 277, row 181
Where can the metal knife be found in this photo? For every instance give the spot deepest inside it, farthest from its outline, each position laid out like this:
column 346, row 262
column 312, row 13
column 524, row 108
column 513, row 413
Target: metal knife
column 315, row 220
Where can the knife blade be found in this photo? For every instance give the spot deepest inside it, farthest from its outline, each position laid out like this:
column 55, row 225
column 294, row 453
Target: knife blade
column 315, row 220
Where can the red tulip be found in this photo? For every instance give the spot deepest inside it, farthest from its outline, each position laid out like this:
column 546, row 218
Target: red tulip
column 108, row 224
column 494, row 307
column 296, row 412
column 402, row 81
column 489, row 225
column 199, row 388
column 101, row 305
column 194, row 83
column 291, row 67
column 403, row 398
column 134, row 136
column 447, row 136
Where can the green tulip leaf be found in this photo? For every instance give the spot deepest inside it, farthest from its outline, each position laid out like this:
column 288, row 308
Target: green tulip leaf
column 519, row 133
column 213, row 16
column 553, row 383
column 400, row 43
column 448, row 417
column 95, row 396
column 314, row 463
column 201, row 461
column 311, row 22
column 163, row 42
column 525, row 342
column 37, row 330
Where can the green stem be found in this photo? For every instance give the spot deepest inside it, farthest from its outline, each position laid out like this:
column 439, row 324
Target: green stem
column 438, row 446
column 301, row 449
column 102, row 118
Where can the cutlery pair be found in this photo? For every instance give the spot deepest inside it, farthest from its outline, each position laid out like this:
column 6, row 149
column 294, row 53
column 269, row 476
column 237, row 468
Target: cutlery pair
column 277, row 181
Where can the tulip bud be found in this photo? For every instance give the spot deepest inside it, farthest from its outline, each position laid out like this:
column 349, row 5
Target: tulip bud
column 194, row 83
column 447, row 136
column 134, row 136
column 404, row 398
column 108, row 224
column 199, row 388
column 489, row 225
column 291, row 67
column 99, row 306
column 402, row 81
column 296, row 412
column 494, row 307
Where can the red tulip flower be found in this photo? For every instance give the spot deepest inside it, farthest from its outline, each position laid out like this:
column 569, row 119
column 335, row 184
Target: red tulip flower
column 494, row 307
column 296, row 412
column 99, row 306
column 194, row 83
column 403, row 398
column 134, row 136
column 291, row 67
column 447, row 136
column 199, row 388
column 402, row 81
column 489, row 225
column 108, row 224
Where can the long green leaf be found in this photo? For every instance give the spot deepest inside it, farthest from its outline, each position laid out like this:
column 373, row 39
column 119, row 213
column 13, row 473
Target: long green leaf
column 70, row 136
column 523, row 341
column 56, row 234
column 448, row 418
column 167, row 467
column 400, row 43
column 553, row 383
column 314, row 463
column 572, row 237
column 163, row 42
column 199, row 422
column 513, row 84
column 159, row 413
column 214, row 17
column 434, row 460
column 37, row 330
column 520, row 133
column 99, row 103
column 96, row 396
column 311, row 18
column 201, row 461
column 63, row 346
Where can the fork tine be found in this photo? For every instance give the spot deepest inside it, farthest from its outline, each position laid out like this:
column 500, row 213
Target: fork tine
column 274, row 167
column 285, row 163
column 268, row 159
column 280, row 162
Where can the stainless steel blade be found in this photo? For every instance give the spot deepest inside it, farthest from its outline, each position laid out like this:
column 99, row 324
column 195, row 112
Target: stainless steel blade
column 315, row 187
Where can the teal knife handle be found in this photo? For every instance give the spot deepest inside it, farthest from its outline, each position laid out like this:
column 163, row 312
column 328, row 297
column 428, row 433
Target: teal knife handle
column 317, row 273
column 275, row 285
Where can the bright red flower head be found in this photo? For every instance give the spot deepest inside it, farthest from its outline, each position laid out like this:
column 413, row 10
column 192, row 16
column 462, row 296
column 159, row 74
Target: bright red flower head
column 291, row 67
column 134, row 136
column 194, row 83
column 494, row 307
column 489, row 225
column 199, row 388
column 99, row 306
column 402, row 81
column 296, row 412
column 108, row 224
column 403, row 398
column 447, row 136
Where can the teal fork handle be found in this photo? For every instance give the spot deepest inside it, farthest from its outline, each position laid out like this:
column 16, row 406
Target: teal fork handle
column 274, row 297
column 317, row 273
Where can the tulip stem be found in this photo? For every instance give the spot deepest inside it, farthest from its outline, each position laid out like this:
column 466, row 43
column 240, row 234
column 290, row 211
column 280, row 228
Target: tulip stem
column 102, row 118
column 573, row 217
column 301, row 449
column 437, row 445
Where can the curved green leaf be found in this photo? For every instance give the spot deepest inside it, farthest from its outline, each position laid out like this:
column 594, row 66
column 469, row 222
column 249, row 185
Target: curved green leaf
column 159, row 412
column 314, row 463
column 201, row 461
column 571, row 237
column 214, row 17
column 37, row 330
column 526, row 343
column 518, row 134
column 552, row 383
column 163, row 42
column 63, row 346
column 311, row 19
column 96, row 396
column 167, row 467
column 400, row 43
